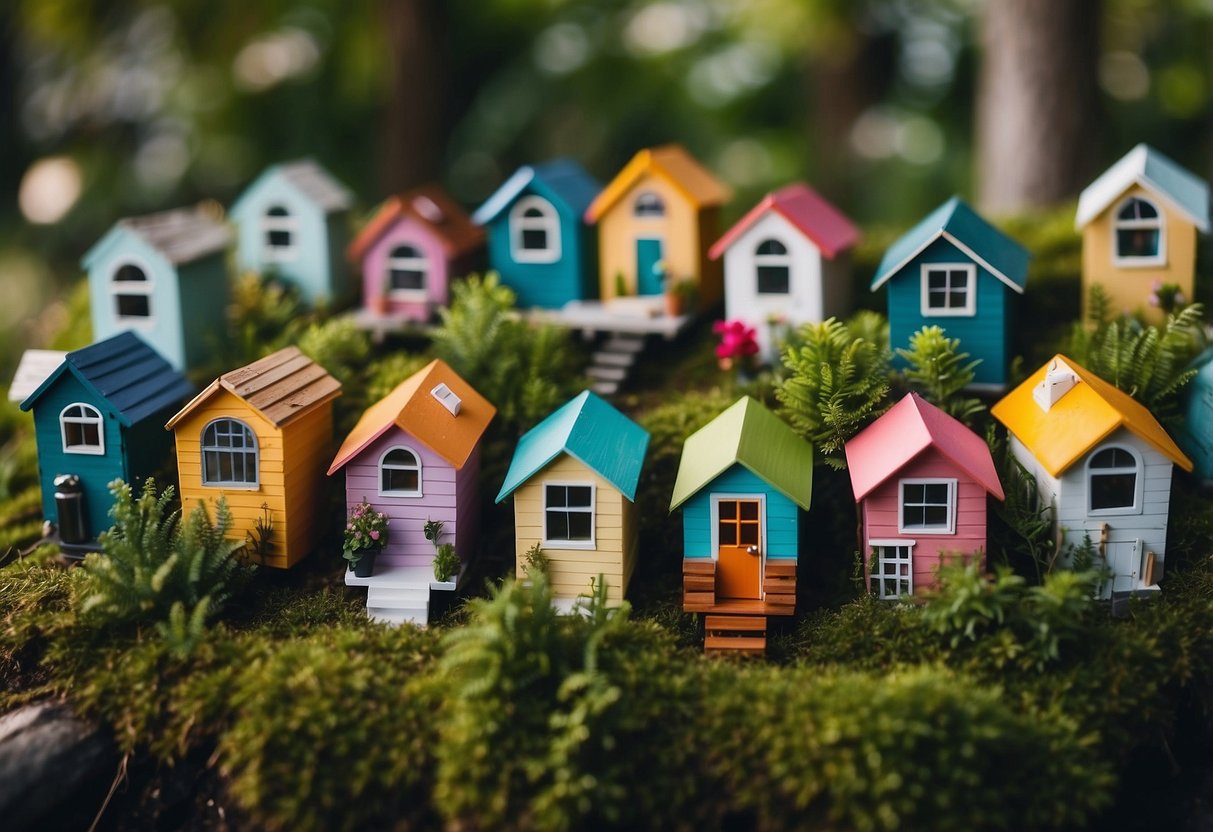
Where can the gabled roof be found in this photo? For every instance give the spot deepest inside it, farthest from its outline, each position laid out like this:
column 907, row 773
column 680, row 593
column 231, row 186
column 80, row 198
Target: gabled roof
column 412, row 407
column 749, row 435
column 124, row 371
column 1145, row 166
column 591, row 431
column 312, row 182
column 280, row 387
column 181, row 236
column 826, row 226
column 430, row 206
column 565, row 181
column 960, row 225
column 32, row 370
column 1079, row 420
column 907, row 429
column 672, row 163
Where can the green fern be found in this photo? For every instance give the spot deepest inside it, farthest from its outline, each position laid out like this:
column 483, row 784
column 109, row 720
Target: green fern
column 940, row 373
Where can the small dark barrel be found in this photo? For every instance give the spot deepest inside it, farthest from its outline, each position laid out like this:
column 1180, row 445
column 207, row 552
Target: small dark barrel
column 69, row 503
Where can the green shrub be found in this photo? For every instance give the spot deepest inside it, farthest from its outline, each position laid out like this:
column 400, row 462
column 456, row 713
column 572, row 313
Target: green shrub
column 936, row 369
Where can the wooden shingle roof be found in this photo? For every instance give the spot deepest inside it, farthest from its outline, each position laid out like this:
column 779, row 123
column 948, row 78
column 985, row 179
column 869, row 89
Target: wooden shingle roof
column 181, row 235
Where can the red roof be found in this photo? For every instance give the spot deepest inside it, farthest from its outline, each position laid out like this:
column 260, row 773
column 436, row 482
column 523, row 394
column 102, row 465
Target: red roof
column 910, row 427
column 431, row 207
column 821, row 222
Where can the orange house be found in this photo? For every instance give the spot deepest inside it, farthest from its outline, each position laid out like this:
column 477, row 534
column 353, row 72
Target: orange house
column 656, row 219
column 261, row 437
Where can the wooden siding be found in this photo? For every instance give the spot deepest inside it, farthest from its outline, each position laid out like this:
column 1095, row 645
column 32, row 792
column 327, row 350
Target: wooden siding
column 683, row 249
column 467, row 506
column 781, row 521
column 308, row 447
column 205, row 295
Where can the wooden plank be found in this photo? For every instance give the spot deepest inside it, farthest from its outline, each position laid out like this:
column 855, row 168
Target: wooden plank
column 730, row 644
column 699, row 566
column 698, row 601
column 736, row 623
column 778, row 568
column 698, row 583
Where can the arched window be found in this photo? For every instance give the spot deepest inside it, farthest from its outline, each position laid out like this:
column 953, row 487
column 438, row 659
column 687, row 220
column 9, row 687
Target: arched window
column 1139, row 232
column 281, row 229
column 773, row 268
column 83, row 429
column 407, row 268
column 132, row 293
column 1113, row 475
column 648, row 204
column 229, row 454
column 534, row 231
column 400, row 473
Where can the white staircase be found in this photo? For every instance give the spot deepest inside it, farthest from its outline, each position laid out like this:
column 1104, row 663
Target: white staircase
column 399, row 594
column 610, row 364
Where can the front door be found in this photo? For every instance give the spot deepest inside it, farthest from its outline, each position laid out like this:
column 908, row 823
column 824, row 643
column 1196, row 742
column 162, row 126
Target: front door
column 1124, row 560
column 739, row 565
column 648, row 272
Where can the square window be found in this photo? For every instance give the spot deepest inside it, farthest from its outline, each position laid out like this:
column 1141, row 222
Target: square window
column 928, row 506
column 569, row 515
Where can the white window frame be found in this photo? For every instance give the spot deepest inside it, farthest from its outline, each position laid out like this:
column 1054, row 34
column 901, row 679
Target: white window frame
column 549, row 223
column 783, row 261
column 419, row 491
column 288, row 223
column 970, row 307
column 84, row 419
column 132, row 287
column 413, row 262
column 654, row 199
column 203, row 450
column 1139, row 472
column 587, row 545
column 950, row 528
column 877, row 564
column 1129, row 261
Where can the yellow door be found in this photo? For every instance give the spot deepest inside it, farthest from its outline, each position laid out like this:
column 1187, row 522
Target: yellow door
column 739, row 569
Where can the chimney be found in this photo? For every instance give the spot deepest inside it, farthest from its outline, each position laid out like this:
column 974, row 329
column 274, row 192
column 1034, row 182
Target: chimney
column 1059, row 380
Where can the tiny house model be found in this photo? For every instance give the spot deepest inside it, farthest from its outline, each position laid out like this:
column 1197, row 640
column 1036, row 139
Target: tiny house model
column 415, row 456
column 956, row 271
column 574, row 478
column 148, row 271
column 656, row 220
column 33, row 369
column 1196, row 438
column 260, row 438
column 409, row 252
column 1102, row 462
column 1139, row 222
column 97, row 418
column 741, row 482
column 921, row 479
column 537, row 239
column 293, row 222
column 786, row 263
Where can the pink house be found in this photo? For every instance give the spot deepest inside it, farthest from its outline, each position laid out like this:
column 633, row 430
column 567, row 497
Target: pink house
column 921, row 479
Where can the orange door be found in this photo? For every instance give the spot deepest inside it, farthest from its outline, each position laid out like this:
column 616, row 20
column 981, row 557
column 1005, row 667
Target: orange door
column 739, row 569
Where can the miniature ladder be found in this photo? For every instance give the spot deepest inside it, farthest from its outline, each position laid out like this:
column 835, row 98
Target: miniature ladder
column 735, row 634
column 610, row 364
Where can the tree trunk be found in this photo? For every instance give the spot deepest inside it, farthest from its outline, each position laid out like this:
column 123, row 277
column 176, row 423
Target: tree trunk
column 1038, row 103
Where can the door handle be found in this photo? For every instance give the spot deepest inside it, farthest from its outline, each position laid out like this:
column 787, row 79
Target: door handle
column 752, row 550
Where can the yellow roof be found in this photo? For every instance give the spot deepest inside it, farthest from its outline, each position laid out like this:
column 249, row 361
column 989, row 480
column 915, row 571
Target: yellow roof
column 1083, row 417
column 672, row 163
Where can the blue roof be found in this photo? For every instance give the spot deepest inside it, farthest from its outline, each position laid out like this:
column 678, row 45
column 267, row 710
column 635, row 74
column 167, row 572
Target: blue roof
column 134, row 379
column 592, row 432
column 1152, row 170
column 562, row 180
column 961, row 225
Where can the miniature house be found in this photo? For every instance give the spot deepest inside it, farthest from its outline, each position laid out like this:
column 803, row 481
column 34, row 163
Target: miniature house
column 293, row 223
column 920, row 478
column 164, row 277
column 1139, row 222
column 414, row 245
column 98, row 417
column 574, row 478
column 742, row 480
column 656, row 220
column 415, row 456
column 260, row 437
column 33, row 369
column 956, row 271
column 1196, row 438
column 538, row 242
column 1104, row 465
column 786, row 263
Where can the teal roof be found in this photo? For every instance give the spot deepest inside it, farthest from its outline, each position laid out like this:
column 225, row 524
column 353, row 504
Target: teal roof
column 1145, row 166
column 592, row 432
column 562, row 180
column 963, row 227
column 747, row 434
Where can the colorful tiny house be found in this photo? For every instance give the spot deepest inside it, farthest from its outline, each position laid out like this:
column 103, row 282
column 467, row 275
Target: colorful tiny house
column 742, row 480
column 538, row 242
column 98, row 417
column 148, row 271
column 1196, row 438
column 260, row 437
column 293, row 223
column 656, row 220
column 411, row 250
column 956, row 271
column 1103, row 462
column 574, row 478
column 1139, row 222
column 786, row 263
column 920, row 478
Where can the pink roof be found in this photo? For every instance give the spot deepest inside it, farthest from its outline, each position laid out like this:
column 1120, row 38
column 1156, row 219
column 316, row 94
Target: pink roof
column 821, row 222
column 910, row 427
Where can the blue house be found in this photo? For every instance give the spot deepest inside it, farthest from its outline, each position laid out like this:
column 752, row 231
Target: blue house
column 1196, row 438
column 163, row 276
column 956, row 271
column 100, row 416
column 293, row 222
column 537, row 239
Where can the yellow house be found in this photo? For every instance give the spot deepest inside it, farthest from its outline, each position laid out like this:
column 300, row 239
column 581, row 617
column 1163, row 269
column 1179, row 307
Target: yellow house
column 1139, row 222
column 656, row 219
column 260, row 436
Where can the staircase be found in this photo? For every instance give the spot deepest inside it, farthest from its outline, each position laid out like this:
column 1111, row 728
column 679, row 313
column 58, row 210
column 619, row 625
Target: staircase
column 611, row 363
column 399, row 594
column 744, row 635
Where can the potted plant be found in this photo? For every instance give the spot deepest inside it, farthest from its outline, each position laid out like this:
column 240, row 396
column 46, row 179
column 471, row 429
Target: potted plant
column 446, row 563
column 679, row 296
column 365, row 536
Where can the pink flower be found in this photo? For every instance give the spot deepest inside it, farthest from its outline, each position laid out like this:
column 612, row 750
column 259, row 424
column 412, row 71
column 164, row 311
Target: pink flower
column 374, row 535
column 1152, row 299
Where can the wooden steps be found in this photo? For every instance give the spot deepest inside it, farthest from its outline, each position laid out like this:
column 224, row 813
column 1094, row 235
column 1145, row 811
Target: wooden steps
column 613, row 361
column 735, row 634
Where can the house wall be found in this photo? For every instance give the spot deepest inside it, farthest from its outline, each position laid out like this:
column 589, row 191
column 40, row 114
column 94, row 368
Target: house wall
column 374, row 270
column 545, row 285
column 780, row 524
column 1196, row 439
column 206, row 292
column 467, row 506
column 307, row 448
column 679, row 230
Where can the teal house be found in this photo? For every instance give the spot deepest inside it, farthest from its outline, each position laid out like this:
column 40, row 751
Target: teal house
column 1196, row 438
column 163, row 276
column 956, row 271
column 100, row 416
column 293, row 223
column 537, row 239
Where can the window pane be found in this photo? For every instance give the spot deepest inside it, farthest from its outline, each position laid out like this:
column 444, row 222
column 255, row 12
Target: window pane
column 534, row 239
column 579, row 525
column 749, row 511
column 73, row 434
column 579, row 495
column 913, row 492
column 1113, row 458
column 936, row 492
column 728, row 534
column 278, row 238
column 728, row 510
column 90, row 434
column 771, row 247
column 1113, row 490
column 557, row 525
column 749, row 534
column 914, row 516
column 407, row 279
column 937, row 279
column 958, row 299
column 935, row 516
column 773, row 280
column 133, row 306
column 557, row 496
column 1137, row 242
column 130, row 273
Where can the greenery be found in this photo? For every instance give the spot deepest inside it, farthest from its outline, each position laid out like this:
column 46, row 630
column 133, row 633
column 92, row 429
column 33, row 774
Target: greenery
column 446, row 562
column 365, row 529
column 940, row 372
